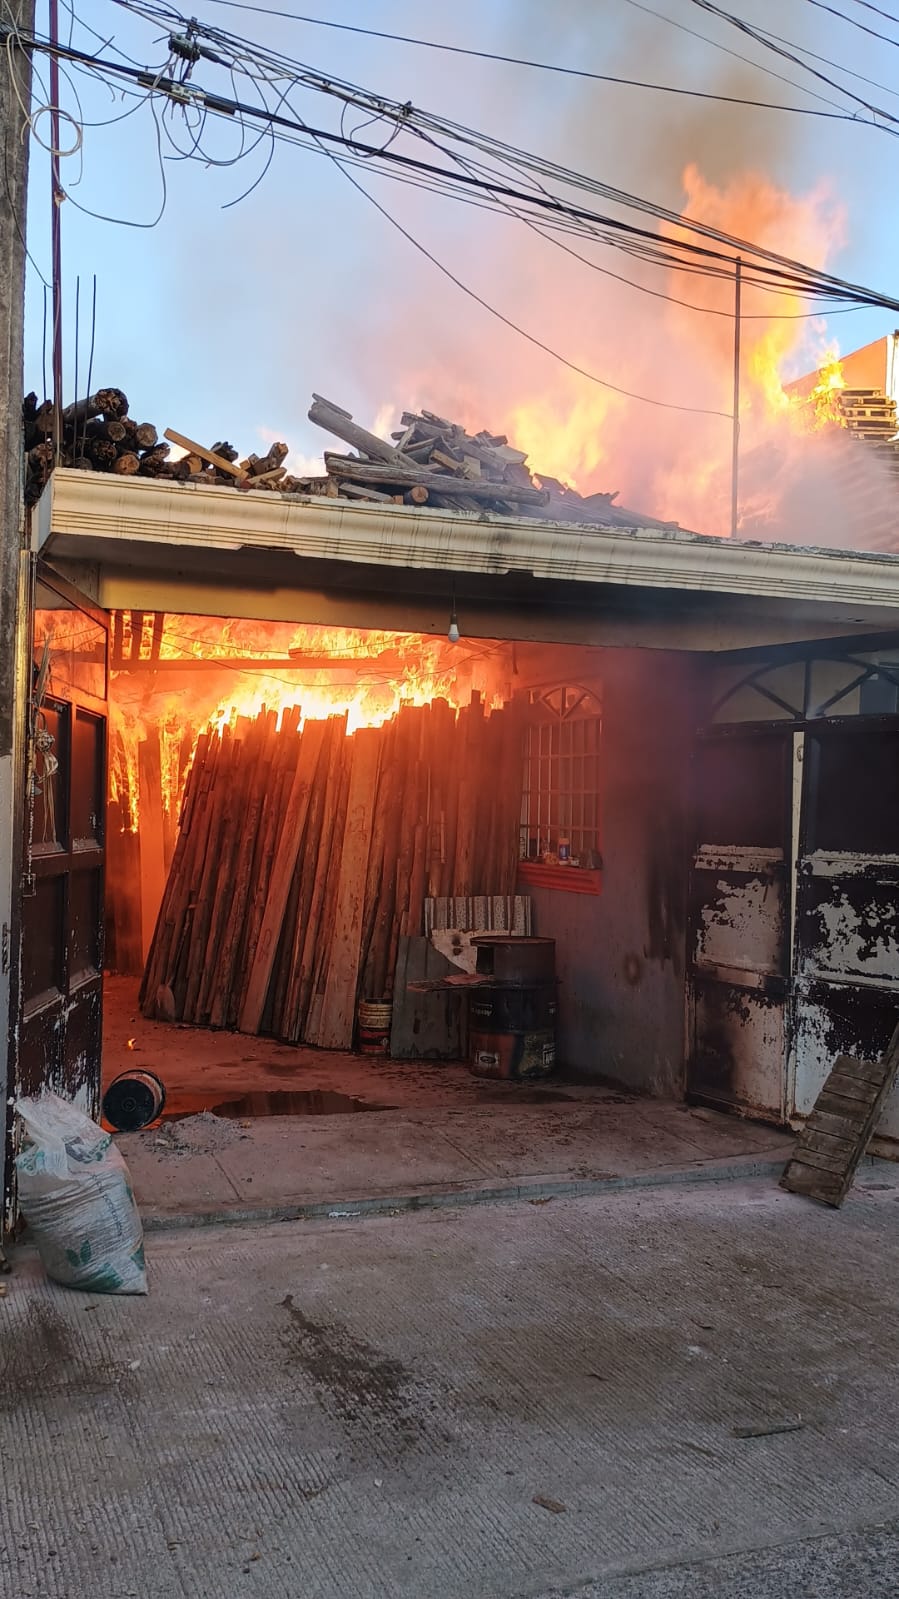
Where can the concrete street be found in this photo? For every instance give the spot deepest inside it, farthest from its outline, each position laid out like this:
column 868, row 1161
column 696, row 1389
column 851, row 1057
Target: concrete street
column 688, row 1390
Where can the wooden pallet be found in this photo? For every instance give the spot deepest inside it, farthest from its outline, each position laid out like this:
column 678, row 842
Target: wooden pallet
column 839, row 1128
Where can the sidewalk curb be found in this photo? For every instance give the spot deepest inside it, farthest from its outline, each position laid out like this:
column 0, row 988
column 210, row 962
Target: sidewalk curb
column 353, row 1209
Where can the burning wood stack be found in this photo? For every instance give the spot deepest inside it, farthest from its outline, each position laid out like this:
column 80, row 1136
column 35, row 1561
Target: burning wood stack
column 427, row 461
column 431, row 462
column 303, row 856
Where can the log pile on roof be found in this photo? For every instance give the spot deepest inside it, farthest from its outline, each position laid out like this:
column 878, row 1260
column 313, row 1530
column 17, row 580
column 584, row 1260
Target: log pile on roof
column 433, row 461
column 428, row 461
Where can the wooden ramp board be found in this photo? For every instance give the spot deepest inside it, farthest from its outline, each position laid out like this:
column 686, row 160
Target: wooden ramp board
column 839, row 1128
column 426, row 1025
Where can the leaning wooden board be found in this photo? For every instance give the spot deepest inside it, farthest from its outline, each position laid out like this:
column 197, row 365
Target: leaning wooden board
column 840, row 1126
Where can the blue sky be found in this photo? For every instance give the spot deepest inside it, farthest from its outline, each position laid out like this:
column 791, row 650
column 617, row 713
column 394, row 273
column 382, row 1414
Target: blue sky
column 221, row 322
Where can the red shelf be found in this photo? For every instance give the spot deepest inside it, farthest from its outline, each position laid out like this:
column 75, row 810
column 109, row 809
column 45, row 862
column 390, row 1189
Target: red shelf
column 564, row 879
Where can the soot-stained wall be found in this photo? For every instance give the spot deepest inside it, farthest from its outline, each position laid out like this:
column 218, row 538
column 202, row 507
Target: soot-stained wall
column 620, row 956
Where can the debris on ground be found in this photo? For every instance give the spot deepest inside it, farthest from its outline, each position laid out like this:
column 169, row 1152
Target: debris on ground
column 203, row 1134
column 768, row 1429
column 554, row 1505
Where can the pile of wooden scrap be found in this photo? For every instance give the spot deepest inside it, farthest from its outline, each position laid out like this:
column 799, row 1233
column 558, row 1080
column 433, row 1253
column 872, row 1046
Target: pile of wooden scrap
column 432, row 461
column 304, row 856
column 427, row 461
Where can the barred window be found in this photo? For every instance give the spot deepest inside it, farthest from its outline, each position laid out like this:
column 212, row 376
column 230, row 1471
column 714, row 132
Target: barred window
column 560, row 813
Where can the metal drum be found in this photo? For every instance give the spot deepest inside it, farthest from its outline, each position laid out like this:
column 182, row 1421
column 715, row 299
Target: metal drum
column 133, row 1100
column 516, row 960
column 512, row 1028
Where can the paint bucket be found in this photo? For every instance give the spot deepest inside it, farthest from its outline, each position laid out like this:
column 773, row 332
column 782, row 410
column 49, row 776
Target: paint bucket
column 133, row 1100
column 374, row 1028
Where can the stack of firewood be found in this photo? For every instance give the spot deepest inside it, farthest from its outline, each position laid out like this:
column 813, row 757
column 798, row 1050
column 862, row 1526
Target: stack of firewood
column 303, row 856
column 98, row 435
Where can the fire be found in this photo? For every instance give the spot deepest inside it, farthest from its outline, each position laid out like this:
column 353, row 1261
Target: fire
column 819, row 406
column 672, row 464
column 326, row 671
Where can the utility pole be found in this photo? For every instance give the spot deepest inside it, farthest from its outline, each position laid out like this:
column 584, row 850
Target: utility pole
column 735, row 461
column 15, row 94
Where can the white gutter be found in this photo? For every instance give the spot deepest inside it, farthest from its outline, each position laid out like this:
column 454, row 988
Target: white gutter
column 92, row 514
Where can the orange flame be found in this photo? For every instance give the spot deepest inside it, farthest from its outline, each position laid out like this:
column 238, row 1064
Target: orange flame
column 326, row 671
column 672, row 464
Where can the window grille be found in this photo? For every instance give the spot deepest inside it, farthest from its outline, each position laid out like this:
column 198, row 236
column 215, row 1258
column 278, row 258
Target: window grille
column 561, row 792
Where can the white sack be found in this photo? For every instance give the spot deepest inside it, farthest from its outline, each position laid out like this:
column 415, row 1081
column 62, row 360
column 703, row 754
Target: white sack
column 75, row 1194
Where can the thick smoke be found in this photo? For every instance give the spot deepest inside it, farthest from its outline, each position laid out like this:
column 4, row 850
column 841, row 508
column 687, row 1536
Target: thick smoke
column 723, row 164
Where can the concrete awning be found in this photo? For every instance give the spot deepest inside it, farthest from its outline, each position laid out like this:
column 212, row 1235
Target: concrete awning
column 144, row 543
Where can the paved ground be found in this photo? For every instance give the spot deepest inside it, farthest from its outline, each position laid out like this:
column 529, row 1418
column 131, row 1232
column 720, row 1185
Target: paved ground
column 202, row 1068
column 581, row 1397
column 443, row 1134
column 281, row 1166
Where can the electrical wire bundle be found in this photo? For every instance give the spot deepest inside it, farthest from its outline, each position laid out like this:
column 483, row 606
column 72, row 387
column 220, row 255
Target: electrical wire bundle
column 268, row 104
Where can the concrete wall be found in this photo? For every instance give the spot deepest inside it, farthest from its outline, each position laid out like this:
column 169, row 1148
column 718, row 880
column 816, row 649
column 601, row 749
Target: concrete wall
column 621, row 955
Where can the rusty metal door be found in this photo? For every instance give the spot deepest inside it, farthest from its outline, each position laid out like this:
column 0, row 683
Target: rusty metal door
column 740, row 885
column 62, row 900
column 847, row 904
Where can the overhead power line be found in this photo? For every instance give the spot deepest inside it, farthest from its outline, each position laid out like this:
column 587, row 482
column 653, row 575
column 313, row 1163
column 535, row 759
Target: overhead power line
column 854, row 22
column 476, row 183
column 763, row 268
column 500, row 316
column 788, row 51
column 541, row 66
column 715, row 44
column 890, row 15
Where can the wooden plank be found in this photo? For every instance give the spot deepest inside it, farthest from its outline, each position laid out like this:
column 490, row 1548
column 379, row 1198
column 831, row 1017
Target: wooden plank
column 334, row 420
column 813, row 1184
column 860, row 1071
column 848, row 1088
column 839, row 1144
column 218, row 461
column 283, row 869
column 246, row 733
column 825, row 1122
column 823, row 1165
column 426, row 1026
column 322, row 951
column 301, row 991
column 470, row 816
column 377, row 886
column 835, row 1162
column 379, row 472
column 838, row 1105
column 339, row 1009
column 152, row 846
column 226, row 995
column 290, row 1023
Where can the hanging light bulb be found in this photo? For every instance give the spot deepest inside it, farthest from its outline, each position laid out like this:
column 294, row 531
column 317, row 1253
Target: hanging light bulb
column 454, row 635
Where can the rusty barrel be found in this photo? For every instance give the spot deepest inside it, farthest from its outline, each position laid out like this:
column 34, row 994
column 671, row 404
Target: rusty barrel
column 133, row 1100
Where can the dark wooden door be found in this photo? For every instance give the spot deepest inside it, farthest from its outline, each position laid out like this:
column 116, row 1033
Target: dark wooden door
column 65, row 805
